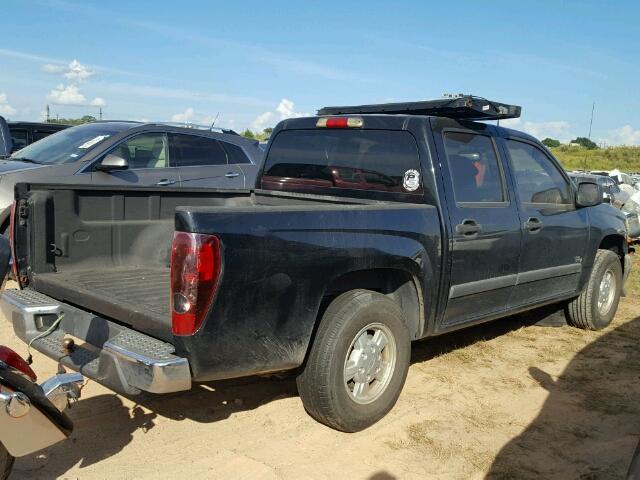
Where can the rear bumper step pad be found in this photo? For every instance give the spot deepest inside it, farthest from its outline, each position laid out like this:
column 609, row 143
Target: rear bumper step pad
column 118, row 357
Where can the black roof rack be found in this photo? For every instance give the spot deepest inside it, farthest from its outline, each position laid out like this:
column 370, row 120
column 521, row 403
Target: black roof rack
column 467, row 107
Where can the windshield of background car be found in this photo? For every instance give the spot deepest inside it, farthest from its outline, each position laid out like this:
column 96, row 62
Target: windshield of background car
column 69, row 145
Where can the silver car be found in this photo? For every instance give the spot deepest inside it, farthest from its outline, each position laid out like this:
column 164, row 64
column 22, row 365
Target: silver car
column 131, row 153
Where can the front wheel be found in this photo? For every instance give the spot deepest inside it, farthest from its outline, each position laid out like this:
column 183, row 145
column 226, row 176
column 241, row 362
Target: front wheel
column 358, row 362
column 596, row 306
column 6, row 462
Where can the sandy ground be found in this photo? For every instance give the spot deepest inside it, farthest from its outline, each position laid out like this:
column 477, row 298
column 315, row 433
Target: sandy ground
column 507, row 400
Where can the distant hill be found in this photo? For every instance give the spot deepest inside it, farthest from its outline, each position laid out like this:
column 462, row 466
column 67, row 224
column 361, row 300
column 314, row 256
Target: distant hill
column 626, row 159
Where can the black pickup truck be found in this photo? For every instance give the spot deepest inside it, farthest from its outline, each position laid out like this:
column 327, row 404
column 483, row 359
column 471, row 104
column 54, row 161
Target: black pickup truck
column 369, row 227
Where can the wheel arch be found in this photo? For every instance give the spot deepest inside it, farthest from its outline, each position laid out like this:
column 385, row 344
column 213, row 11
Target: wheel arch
column 400, row 285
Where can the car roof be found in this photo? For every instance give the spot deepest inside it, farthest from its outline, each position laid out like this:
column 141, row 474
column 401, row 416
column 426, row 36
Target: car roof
column 58, row 126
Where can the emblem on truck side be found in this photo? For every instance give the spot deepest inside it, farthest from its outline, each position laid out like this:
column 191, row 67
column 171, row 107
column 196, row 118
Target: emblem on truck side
column 411, row 180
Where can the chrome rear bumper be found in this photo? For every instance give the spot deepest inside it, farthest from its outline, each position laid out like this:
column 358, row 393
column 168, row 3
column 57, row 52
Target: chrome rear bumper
column 118, row 357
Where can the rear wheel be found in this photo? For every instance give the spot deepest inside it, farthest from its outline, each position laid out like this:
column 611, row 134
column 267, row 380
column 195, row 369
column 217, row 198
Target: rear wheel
column 6, row 462
column 358, row 362
column 596, row 306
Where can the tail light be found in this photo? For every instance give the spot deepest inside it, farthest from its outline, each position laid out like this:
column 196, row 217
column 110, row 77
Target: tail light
column 16, row 362
column 195, row 270
column 12, row 242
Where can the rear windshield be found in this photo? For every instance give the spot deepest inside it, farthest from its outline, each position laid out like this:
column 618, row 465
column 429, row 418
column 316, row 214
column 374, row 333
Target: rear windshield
column 374, row 160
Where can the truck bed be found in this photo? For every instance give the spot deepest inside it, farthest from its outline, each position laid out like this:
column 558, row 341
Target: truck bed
column 107, row 250
column 134, row 295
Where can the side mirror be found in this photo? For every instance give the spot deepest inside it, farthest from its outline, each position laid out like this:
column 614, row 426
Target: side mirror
column 589, row 194
column 112, row 162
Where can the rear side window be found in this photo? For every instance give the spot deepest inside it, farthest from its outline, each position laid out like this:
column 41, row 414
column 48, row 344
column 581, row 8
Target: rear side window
column 40, row 134
column 475, row 169
column 538, row 180
column 20, row 138
column 195, row 151
column 375, row 160
column 235, row 153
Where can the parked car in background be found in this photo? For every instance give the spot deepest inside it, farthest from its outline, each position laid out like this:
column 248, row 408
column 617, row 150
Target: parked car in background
column 131, row 153
column 26, row 133
column 610, row 188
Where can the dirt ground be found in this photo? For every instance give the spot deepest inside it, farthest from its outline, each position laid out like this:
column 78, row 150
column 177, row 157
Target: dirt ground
column 505, row 400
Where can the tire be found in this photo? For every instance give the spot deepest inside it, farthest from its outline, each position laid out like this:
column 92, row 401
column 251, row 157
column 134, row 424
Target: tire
column 347, row 344
column 591, row 310
column 6, row 462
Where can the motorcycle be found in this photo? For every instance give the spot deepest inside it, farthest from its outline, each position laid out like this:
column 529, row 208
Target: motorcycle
column 32, row 416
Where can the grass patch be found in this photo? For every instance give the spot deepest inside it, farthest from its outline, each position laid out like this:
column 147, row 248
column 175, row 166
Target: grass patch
column 626, row 159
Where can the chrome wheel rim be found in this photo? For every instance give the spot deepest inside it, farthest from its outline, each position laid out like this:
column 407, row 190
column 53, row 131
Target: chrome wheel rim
column 370, row 362
column 607, row 292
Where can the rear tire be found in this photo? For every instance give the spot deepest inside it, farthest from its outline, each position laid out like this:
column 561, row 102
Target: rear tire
column 358, row 362
column 6, row 462
column 596, row 306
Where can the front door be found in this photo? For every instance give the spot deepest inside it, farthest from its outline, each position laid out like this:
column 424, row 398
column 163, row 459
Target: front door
column 554, row 232
column 149, row 163
column 484, row 222
column 204, row 162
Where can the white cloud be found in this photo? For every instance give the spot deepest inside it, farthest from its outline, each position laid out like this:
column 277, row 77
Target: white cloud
column 67, row 95
column 183, row 117
column 626, row 135
column 51, row 68
column 78, row 72
column 286, row 109
column 261, row 122
column 5, row 108
column 98, row 102
column 75, row 71
column 560, row 130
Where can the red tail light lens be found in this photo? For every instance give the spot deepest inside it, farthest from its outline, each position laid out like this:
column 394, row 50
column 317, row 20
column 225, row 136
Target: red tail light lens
column 16, row 362
column 195, row 270
column 14, row 265
column 339, row 122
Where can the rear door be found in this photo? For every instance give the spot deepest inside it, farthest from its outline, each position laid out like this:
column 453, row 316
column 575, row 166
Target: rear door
column 203, row 162
column 149, row 163
column 554, row 232
column 484, row 223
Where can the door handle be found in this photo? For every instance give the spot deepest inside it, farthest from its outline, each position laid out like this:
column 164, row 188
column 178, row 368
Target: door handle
column 469, row 227
column 232, row 175
column 165, row 181
column 533, row 224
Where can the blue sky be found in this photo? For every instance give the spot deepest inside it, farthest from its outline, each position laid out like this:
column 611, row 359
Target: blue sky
column 257, row 62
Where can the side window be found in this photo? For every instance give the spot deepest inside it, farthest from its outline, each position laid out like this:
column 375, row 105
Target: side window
column 192, row 151
column 538, row 180
column 40, row 134
column 148, row 150
column 475, row 168
column 235, row 153
column 20, row 138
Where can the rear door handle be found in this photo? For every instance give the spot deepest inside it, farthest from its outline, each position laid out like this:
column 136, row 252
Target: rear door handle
column 232, row 175
column 165, row 181
column 533, row 224
column 469, row 227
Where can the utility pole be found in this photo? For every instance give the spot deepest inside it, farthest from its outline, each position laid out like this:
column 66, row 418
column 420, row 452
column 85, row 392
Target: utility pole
column 100, row 113
column 593, row 107
column 47, row 113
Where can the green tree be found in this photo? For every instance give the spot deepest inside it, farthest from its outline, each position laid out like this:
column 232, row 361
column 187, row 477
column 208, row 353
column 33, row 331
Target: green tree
column 586, row 143
column 248, row 134
column 551, row 142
